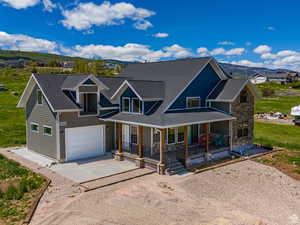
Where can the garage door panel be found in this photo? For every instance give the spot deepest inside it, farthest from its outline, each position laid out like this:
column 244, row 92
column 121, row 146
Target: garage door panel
column 83, row 142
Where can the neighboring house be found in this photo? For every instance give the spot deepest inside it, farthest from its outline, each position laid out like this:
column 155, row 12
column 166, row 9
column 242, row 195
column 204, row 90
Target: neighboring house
column 283, row 77
column 258, row 78
column 167, row 115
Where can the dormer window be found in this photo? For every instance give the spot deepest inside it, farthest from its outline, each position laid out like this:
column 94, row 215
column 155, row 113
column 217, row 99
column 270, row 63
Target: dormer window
column 126, row 104
column 88, row 102
column 193, row 102
column 136, row 105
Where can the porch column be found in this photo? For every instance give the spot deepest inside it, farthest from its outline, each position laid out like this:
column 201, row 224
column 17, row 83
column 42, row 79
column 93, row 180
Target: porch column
column 119, row 153
column 206, row 130
column 140, row 160
column 186, row 147
column 162, row 162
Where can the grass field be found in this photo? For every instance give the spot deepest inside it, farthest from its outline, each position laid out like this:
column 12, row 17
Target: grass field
column 12, row 126
column 18, row 188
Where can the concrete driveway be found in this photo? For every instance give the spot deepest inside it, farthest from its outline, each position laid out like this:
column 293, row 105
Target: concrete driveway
column 90, row 169
column 80, row 170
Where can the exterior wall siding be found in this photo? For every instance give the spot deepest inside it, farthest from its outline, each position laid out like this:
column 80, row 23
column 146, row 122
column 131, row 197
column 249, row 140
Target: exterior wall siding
column 42, row 115
column 72, row 120
column 201, row 86
column 244, row 112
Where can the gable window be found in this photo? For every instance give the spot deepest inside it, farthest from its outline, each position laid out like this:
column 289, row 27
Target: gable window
column 125, row 104
column 243, row 97
column 47, row 131
column 39, row 97
column 34, row 127
column 135, row 105
column 193, row 102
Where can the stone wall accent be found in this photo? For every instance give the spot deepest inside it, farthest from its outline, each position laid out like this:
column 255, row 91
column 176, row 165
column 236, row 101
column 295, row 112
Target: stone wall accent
column 244, row 112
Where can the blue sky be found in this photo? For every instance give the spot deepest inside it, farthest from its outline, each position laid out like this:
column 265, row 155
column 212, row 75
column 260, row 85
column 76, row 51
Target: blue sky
column 257, row 33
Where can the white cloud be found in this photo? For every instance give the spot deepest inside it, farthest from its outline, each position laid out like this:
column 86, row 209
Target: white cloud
column 86, row 15
column 161, row 35
column 226, row 43
column 26, row 43
column 262, row 49
column 235, row 51
column 49, row 5
column 20, row 4
column 268, row 56
column 220, row 51
column 142, row 25
column 248, row 43
column 129, row 52
column 246, row 62
column 286, row 53
column 270, row 28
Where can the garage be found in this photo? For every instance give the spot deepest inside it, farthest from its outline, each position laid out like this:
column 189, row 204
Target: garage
column 84, row 142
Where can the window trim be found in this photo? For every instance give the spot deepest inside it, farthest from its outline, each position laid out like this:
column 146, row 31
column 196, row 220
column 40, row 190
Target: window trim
column 129, row 109
column 45, row 134
column 34, row 131
column 192, row 97
column 37, row 96
column 132, row 99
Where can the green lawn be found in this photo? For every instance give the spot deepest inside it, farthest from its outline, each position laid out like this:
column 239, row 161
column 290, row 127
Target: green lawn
column 12, row 119
column 285, row 136
column 18, row 188
column 277, row 104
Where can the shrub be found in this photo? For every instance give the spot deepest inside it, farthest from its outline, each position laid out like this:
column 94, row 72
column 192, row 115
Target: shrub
column 296, row 84
column 268, row 92
column 13, row 193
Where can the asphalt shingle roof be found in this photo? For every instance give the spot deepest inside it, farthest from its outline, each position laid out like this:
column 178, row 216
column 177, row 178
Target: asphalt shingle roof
column 72, row 81
column 51, row 86
column 172, row 119
column 226, row 90
column 148, row 89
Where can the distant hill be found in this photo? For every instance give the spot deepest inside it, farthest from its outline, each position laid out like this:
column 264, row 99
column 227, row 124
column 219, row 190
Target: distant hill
column 237, row 70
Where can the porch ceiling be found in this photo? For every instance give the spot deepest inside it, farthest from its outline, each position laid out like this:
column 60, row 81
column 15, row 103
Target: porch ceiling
column 167, row 120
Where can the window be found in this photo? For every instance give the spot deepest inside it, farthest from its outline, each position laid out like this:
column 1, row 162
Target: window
column 125, row 104
column 194, row 134
column 171, row 135
column 243, row 97
column 134, row 134
column 180, row 134
column 34, row 127
column 135, row 105
column 47, row 131
column 193, row 102
column 39, row 97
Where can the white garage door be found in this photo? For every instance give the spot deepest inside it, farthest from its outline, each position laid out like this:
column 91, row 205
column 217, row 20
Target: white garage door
column 84, row 142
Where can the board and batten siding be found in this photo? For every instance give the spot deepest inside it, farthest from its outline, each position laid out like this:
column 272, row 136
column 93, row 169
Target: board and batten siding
column 201, row 86
column 42, row 115
column 72, row 120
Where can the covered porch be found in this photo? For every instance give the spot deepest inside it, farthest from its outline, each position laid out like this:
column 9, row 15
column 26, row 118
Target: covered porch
column 158, row 147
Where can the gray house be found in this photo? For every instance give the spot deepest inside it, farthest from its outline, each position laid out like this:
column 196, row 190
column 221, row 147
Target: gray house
column 166, row 115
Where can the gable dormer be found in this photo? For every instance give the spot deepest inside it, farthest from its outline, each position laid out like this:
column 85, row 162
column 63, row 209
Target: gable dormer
column 140, row 97
column 85, row 90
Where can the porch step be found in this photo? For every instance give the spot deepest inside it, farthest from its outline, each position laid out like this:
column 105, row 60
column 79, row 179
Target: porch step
column 175, row 167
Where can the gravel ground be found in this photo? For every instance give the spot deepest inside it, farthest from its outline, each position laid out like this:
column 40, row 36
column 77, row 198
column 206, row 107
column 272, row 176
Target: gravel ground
column 245, row 193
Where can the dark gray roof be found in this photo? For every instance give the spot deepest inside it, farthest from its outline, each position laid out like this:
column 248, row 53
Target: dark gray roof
column 51, row 85
column 148, row 89
column 227, row 90
column 113, row 83
column 172, row 119
column 176, row 74
column 72, row 81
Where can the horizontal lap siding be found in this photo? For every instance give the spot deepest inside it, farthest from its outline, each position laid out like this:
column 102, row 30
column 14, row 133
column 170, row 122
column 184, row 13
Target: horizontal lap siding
column 42, row 115
column 71, row 120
